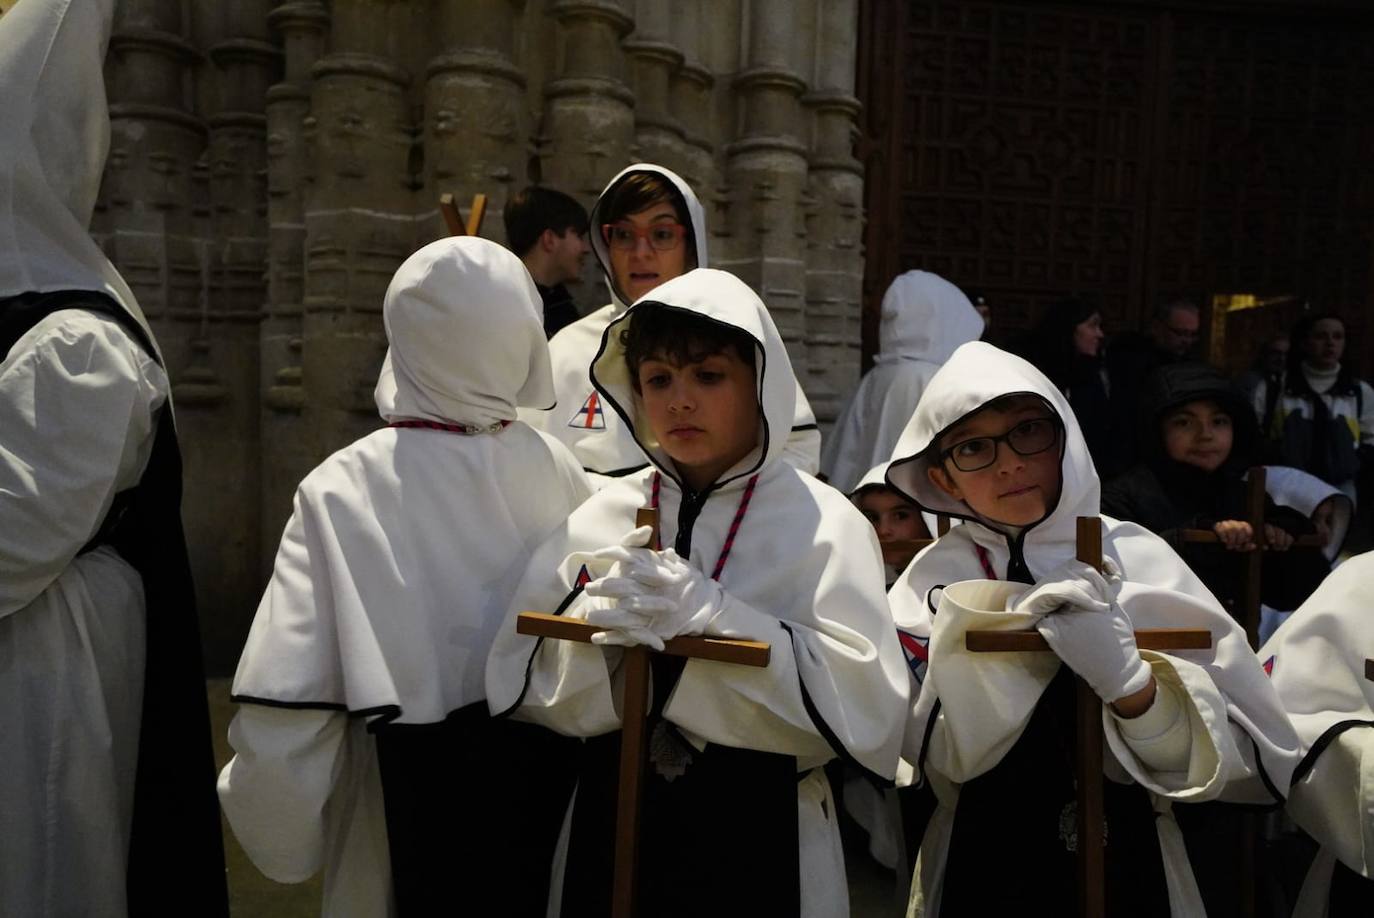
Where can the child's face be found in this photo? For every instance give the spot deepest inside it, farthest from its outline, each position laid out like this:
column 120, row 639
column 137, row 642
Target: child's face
column 1020, row 482
column 1199, row 434
column 641, row 268
column 704, row 413
column 892, row 515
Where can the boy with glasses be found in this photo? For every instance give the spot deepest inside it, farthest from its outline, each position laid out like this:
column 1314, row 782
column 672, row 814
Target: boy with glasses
column 646, row 229
column 994, row 443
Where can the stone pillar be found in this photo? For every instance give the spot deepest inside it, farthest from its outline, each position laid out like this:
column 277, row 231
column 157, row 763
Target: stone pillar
column 588, row 130
column 691, row 103
column 654, row 59
column 475, row 124
column 834, row 258
column 766, row 168
column 302, row 25
column 359, row 223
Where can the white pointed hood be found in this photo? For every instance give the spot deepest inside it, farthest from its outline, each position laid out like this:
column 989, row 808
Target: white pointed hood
column 977, row 374
column 594, row 221
column 52, row 149
column 723, row 298
column 435, row 368
column 925, row 317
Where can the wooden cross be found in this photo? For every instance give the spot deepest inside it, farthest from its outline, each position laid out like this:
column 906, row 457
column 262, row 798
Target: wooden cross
column 454, row 220
column 634, row 666
column 1088, row 715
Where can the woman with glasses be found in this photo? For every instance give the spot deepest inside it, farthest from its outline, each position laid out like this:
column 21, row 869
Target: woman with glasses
column 646, row 229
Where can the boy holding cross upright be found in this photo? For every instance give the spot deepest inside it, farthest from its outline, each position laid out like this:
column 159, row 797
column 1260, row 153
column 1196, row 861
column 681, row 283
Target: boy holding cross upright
column 994, row 443
column 737, row 816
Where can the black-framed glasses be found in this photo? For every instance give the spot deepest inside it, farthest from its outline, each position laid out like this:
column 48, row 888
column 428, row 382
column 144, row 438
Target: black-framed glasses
column 1031, row 436
column 663, row 237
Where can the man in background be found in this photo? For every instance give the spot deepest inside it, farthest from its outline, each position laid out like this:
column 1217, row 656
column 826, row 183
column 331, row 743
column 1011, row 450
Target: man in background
column 548, row 230
column 1132, row 356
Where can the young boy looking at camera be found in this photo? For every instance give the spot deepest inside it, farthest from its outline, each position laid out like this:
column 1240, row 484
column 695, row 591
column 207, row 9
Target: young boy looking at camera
column 995, row 444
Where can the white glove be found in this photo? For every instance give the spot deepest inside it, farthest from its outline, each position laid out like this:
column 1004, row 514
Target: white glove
column 623, row 627
column 664, row 594
column 1098, row 645
column 1074, row 584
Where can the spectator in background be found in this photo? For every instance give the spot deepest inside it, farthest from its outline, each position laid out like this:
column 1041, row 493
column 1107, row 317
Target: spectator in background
column 548, row 230
column 1067, row 347
column 1133, row 356
column 1269, row 370
column 980, row 303
column 1323, row 419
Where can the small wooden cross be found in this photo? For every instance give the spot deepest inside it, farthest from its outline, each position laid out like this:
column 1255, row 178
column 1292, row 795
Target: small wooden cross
column 1088, row 715
column 635, row 711
column 454, row 220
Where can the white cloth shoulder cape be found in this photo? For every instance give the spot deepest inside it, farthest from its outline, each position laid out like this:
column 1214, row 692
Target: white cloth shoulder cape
column 394, row 572
column 967, row 713
column 580, row 419
column 924, row 318
column 804, row 575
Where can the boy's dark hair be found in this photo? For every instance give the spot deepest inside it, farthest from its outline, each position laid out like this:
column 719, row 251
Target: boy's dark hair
column 682, row 337
column 536, row 209
column 639, row 191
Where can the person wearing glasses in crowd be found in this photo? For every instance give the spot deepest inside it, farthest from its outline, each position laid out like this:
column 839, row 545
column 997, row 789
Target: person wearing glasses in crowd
column 995, row 443
column 646, row 228
column 1132, row 356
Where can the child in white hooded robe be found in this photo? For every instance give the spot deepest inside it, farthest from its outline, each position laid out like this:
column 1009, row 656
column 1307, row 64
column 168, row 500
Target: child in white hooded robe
column 581, row 420
column 737, row 816
column 363, row 742
column 1319, row 662
column 924, row 318
column 993, row 733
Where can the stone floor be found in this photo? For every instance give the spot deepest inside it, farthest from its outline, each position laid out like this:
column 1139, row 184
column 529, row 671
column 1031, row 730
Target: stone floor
column 251, row 895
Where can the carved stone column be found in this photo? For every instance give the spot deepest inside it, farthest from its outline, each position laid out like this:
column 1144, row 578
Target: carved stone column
column 588, row 130
column 834, row 258
column 286, row 458
column 691, row 102
column 359, row 222
column 475, row 123
column 766, row 167
column 654, row 58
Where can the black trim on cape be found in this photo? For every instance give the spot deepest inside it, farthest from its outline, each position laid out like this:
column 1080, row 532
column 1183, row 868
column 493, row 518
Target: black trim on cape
column 176, row 852
column 1326, row 739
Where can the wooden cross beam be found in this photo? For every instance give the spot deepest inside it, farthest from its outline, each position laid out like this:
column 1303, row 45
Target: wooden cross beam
column 454, row 220
column 635, row 711
column 1088, row 716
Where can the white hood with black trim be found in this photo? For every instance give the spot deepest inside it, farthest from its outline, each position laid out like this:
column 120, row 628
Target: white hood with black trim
column 53, row 144
column 804, row 575
column 580, row 420
column 1235, row 709
column 924, row 319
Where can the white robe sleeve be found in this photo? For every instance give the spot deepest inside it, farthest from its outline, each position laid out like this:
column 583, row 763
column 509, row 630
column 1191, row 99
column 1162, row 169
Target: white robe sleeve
column 1366, row 418
column 78, row 406
column 1335, row 799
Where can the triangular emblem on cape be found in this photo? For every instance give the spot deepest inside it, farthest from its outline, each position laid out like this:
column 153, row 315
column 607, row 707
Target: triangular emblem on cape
column 584, row 577
column 590, row 416
column 917, row 652
column 1269, row 665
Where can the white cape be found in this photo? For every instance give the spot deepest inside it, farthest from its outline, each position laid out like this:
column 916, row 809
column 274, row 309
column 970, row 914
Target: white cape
column 985, row 700
column 804, row 575
column 924, row 318
column 395, row 571
column 580, row 420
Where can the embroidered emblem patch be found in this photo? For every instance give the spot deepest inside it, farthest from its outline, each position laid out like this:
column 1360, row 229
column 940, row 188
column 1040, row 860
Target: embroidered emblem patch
column 590, row 416
column 1269, row 665
column 917, row 653
column 584, row 577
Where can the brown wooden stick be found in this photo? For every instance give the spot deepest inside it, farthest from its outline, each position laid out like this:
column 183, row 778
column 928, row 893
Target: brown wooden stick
column 1208, row 537
column 452, row 219
column 717, row 650
column 941, row 524
column 1369, row 670
column 1250, row 595
column 1092, row 892
column 477, row 214
column 1032, row 641
column 633, row 751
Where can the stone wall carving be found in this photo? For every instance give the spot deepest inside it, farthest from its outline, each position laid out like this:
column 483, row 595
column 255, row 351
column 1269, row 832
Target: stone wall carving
column 272, row 163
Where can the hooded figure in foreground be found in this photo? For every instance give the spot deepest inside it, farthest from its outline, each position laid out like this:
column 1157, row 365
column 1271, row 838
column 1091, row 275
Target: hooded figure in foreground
column 107, row 802
column 655, row 197
column 924, row 318
column 698, row 374
column 1319, row 661
column 363, row 743
column 993, row 733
